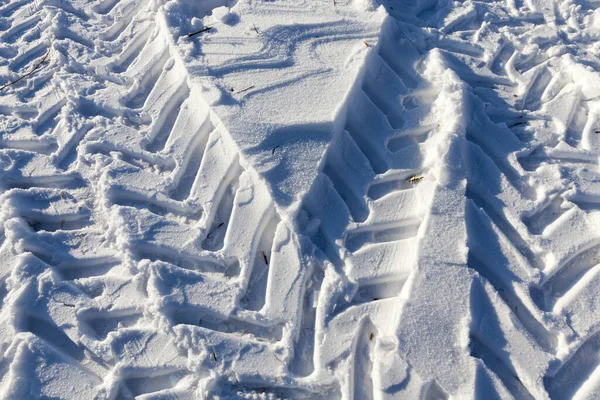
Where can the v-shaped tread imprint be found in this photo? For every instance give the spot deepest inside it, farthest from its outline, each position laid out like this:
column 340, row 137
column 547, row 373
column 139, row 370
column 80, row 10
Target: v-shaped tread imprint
column 242, row 213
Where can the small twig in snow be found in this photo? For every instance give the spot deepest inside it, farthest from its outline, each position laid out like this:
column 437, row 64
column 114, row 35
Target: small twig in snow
column 35, row 68
column 517, row 124
column 265, row 257
column 244, row 90
column 214, row 230
column 200, row 31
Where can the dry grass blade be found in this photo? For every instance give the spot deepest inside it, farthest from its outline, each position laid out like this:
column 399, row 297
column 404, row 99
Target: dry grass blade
column 415, row 178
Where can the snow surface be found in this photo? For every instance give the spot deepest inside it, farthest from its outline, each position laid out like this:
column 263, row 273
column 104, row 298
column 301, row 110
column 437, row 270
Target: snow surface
column 316, row 199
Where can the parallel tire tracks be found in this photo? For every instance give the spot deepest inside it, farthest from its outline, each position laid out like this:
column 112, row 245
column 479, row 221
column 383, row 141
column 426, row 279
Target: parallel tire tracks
column 188, row 287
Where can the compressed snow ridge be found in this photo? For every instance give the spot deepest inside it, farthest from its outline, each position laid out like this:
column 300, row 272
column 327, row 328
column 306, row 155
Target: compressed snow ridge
column 299, row 199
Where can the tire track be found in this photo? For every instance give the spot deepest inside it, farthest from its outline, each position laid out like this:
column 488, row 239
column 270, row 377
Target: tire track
column 365, row 216
column 542, row 271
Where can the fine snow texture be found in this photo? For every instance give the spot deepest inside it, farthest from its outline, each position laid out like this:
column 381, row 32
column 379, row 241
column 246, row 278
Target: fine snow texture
column 299, row 199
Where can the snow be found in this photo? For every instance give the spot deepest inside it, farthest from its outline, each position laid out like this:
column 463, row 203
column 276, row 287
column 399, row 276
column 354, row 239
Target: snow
column 320, row 199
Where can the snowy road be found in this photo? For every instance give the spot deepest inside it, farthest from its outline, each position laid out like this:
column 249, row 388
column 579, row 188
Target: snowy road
column 307, row 199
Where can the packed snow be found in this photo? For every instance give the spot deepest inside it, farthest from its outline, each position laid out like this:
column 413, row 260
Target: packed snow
column 300, row 199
